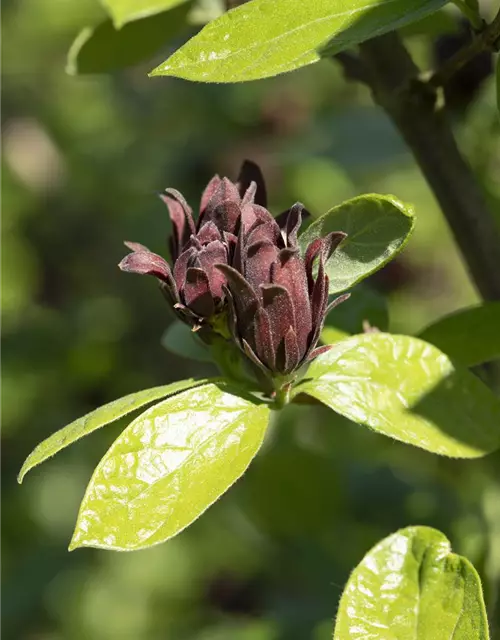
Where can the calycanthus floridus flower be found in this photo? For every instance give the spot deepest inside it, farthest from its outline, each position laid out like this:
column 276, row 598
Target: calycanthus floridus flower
column 238, row 268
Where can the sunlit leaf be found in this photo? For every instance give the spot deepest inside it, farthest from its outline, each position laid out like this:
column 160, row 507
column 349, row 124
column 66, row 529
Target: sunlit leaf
column 470, row 336
column 169, row 466
column 123, row 11
column 99, row 418
column 106, row 48
column 378, row 227
column 410, row 586
column 407, row 389
column 263, row 38
column 181, row 340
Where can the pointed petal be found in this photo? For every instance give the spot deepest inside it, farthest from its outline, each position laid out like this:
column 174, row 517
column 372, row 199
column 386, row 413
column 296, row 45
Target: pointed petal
column 226, row 216
column 331, row 242
column 262, row 339
column 317, row 352
column 208, row 232
column 258, row 261
column 292, row 226
column 181, row 217
column 281, row 218
column 210, row 255
column 206, row 196
column 197, row 294
column 147, row 263
column 250, row 172
column 135, row 246
column 279, row 306
column 245, row 299
column 337, row 301
column 291, row 352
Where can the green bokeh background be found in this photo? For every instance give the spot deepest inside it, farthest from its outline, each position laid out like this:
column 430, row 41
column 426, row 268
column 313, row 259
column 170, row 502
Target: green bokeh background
column 83, row 159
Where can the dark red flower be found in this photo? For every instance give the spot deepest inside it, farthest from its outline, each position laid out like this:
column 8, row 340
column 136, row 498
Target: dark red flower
column 194, row 287
column 277, row 306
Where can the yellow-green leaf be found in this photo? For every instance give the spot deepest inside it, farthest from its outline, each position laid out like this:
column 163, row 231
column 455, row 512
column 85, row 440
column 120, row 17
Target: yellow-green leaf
column 99, row 418
column 123, row 11
column 410, row 586
column 169, row 466
column 407, row 389
column 377, row 227
column 263, row 38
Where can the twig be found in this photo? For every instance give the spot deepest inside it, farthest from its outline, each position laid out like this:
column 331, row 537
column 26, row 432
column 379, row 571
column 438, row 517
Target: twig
column 485, row 40
column 411, row 104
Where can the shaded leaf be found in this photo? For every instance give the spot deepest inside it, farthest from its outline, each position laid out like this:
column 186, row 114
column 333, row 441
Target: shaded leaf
column 378, row 227
column 168, row 467
column 106, row 48
column 407, row 389
column 263, row 38
column 123, row 11
column 410, row 586
column 364, row 305
column 470, row 336
column 99, row 418
column 182, row 341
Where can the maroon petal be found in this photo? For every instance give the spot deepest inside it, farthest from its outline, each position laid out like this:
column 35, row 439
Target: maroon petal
column 259, row 258
column 249, row 196
column 206, row 196
column 337, row 301
column 312, row 251
column 181, row 266
column 226, row 216
column 208, row 233
column 197, row 294
column 283, row 217
column 292, row 225
column 291, row 355
column 289, row 272
column 263, row 339
column 182, row 220
column 245, row 299
column 317, row 352
column 279, row 307
column 147, row 263
column 135, row 246
column 210, row 255
column 250, row 172
column 319, row 298
column 331, row 242
column 225, row 191
column 266, row 230
column 253, row 214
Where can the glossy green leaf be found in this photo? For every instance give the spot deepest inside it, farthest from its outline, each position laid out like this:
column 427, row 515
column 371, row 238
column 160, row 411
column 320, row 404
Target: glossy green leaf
column 410, row 586
column 106, row 48
column 179, row 339
column 263, row 38
column 407, row 389
column 99, row 418
column 123, row 11
column 169, row 466
column 378, row 227
column 470, row 336
column 365, row 306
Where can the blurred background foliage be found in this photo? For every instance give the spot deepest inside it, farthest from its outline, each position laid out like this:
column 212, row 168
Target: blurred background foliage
column 83, row 159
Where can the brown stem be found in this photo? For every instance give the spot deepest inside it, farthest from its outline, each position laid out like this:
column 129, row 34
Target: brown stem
column 486, row 39
column 411, row 104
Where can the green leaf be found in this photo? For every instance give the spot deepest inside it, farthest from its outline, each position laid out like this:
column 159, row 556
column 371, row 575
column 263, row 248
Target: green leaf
column 263, row 38
column 99, row 418
column 407, row 389
column 411, row 587
column 179, row 339
column 433, row 25
column 378, row 228
column 123, row 11
column 105, row 48
column 364, row 305
column 470, row 336
column 168, row 466
column 498, row 83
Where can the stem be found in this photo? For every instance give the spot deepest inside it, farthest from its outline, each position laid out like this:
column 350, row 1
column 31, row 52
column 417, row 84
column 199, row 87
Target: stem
column 486, row 39
column 411, row 104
